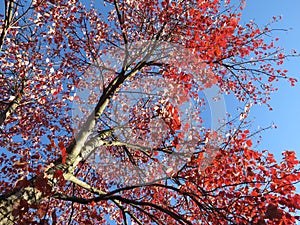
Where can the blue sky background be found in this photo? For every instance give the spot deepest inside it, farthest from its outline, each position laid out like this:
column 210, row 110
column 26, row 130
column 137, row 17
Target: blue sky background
column 286, row 102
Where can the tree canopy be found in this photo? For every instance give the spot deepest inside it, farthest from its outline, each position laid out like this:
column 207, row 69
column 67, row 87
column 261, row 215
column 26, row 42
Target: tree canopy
column 104, row 117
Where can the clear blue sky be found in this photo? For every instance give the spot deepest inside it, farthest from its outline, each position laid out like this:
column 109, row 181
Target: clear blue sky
column 286, row 102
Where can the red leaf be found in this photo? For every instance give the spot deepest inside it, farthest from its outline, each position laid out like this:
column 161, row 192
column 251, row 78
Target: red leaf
column 22, row 183
column 63, row 152
column 60, row 176
column 249, row 143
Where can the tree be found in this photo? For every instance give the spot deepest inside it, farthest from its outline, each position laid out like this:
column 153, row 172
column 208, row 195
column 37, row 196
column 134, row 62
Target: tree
column 94, row 121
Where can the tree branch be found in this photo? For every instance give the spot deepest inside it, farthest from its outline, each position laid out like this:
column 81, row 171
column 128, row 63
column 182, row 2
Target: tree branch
column 75, row 180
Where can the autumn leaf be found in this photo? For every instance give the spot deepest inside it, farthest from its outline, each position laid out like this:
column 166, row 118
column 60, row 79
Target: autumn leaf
column 249, row 143
column 63, row 152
